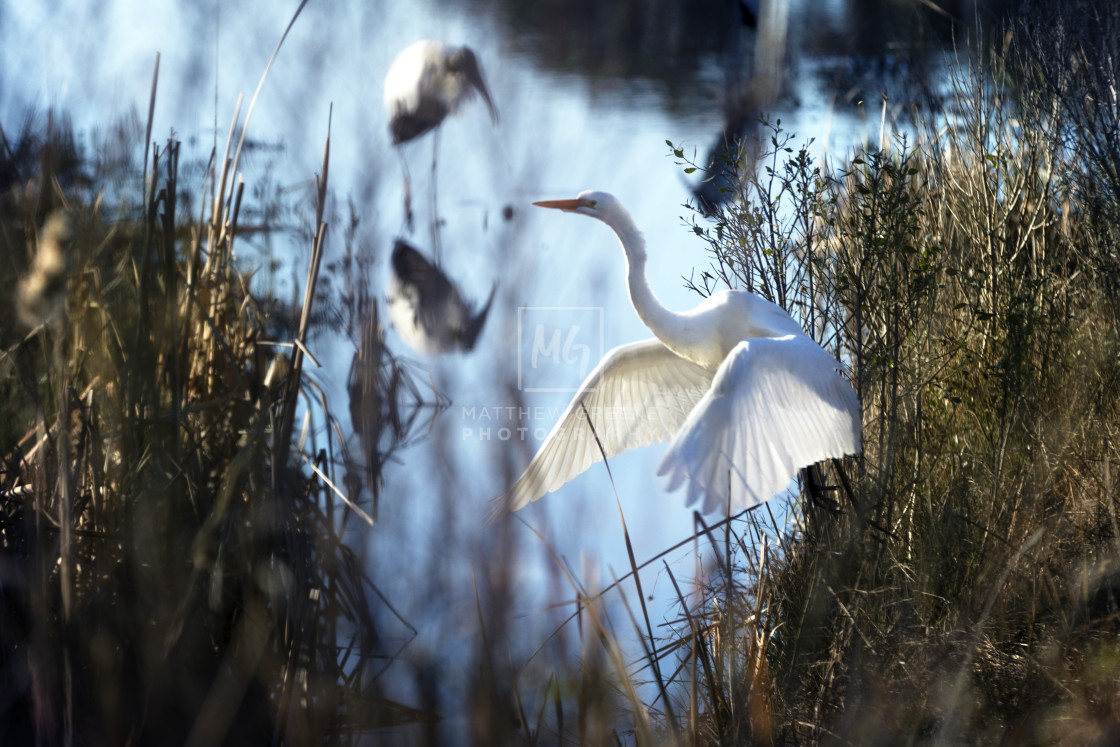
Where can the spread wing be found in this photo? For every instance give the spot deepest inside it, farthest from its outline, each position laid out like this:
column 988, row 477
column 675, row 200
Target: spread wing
column 775, row 405
column 639, row 394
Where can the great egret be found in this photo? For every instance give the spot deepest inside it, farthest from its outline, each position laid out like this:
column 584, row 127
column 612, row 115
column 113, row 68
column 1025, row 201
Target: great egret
column 426, row 82
column 428, row 311
column 745, row 397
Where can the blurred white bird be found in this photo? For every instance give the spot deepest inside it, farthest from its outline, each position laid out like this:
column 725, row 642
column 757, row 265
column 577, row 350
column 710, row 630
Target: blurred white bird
column 428, row 81
column 744, row 396
column 426, row 308
column 41, row 293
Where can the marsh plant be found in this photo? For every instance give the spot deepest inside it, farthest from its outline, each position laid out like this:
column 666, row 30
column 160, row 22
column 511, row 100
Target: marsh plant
column 957, row 582
column 175, row 561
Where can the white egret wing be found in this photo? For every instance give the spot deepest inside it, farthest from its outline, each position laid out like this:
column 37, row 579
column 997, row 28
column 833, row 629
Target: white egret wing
column 775, row 405
column 640, row 393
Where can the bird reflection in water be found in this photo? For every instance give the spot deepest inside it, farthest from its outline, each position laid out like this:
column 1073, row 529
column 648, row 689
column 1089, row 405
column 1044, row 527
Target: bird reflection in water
column 427, row 309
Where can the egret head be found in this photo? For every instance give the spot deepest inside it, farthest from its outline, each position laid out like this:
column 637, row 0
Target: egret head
column 591, row 203
column 605, row 207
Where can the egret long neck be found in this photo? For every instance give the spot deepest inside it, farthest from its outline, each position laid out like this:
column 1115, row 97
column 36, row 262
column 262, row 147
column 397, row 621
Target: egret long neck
column 668, row 326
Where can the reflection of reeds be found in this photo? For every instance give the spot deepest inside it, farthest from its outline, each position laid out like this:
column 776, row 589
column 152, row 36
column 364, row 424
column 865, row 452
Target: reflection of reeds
column 171, row 555
column 387, row 404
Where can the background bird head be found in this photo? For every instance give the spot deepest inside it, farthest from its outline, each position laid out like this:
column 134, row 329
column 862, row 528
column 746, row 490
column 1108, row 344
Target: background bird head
column 463, row 63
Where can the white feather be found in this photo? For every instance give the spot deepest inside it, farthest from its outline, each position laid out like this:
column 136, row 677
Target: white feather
column 416, row 73
column 775, row 405
column 639, row 394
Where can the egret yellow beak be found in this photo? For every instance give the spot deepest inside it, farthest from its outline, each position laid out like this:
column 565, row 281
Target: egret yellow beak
column 565, row 204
